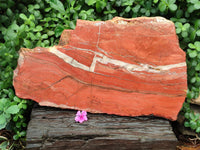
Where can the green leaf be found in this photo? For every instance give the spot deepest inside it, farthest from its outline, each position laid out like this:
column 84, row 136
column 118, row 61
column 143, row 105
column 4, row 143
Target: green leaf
column 2, row 119
column 44, row 36
column 189, row 96
column 3, row 18
column 194, row 1
column 24, row 125
column 36, row 6
column 197, row 44
column 23, row 16
column 30, row 8
column 57, row 5
column 90, row 2
column 73, row 2
column 3, row 145
column 9, row 12
column 118, row 3
column 198, row 130
column 197, row 23
column 72, row 11
column 179, row 13
column 24, row 106
column 72, row 25
column 192, row 53
column 128, row 8
column 17, row 99
column 198, row 122
column 147, row 13
column 192, row 35
column 197, row 68
column 3, row 103
column 173, row 7
column 155, row 1
column 27, row 43
column 5, row 91
column 77, row 8
column 38, row 28
column 46, row 42
column 198, row 32
column 59, row 29
column 186, row 124
column 197, row 116
column 192, row 115
column 32, row 36
column 143, row 10
column 38, row 35
column 178, row 30
column 75, row 16
column 197, row 5
column 184, row 34
column 185, row 26
column 171, row 1
column 162, row 6
column 15, row 118
column 50, row 33
column 187, row 115
column 32, row 17
column 23, row 133
column 15, row 137
column 190, row 45
column 191, row 8
column 47, row 9
column 37, row 14
column 193, row 125
column 100, row 5
column 136, row 8
column 193, row 80
column 83, row 16
column 12, row 109
column 11, row 94
column 2, row 126
column 178, row 25
column 18, row 124
column 20, row 116
column 193, row 63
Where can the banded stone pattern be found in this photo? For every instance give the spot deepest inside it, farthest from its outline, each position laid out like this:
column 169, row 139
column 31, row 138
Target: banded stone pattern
column 128, row 67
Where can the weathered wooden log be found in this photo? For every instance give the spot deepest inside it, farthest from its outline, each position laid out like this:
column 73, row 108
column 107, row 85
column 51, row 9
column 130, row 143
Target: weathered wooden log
column 55, row 129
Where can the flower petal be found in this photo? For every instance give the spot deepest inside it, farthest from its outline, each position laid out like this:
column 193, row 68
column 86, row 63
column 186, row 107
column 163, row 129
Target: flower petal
column 77, row 118
column 84, row 113
column 78, row 113
column 81, row 116
column 85, row 118
column 81, row 121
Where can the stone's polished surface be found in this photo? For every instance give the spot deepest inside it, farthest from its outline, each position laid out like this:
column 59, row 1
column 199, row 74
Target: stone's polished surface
column 128, row 67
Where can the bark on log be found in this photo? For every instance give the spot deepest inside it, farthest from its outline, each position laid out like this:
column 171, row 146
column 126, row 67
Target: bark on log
column 55, row 129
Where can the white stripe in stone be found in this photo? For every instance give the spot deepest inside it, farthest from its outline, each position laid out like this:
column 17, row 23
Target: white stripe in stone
column 106, row 60
column 68, row 59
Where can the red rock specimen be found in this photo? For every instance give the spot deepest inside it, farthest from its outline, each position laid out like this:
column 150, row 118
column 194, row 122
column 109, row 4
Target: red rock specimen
column 128, row 67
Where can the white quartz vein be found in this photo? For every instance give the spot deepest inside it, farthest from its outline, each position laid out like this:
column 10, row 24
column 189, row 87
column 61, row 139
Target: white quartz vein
column 97, row 45
column 106, row 60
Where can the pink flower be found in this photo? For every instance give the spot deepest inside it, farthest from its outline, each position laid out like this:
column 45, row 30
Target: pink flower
column 81, row 116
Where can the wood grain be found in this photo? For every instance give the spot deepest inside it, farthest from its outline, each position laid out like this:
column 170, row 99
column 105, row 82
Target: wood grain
column 55, row 129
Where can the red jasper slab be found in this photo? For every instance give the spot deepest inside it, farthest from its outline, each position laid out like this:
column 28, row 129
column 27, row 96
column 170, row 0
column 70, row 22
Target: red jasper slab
column 128, row 67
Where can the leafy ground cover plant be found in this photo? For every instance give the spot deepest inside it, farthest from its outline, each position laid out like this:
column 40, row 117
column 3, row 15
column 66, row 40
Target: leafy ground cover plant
column 40, row 23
